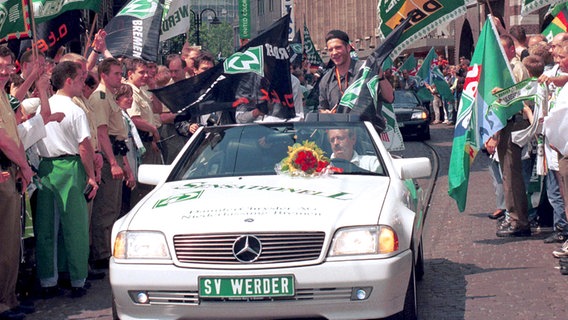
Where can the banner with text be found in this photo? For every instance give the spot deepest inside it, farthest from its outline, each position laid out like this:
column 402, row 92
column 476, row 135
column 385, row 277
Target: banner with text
column 135, row 31
column 52, row 34
column 244, row 19
column 15, row 20
column 430, row 14
column 45, row 10
column 176, row 19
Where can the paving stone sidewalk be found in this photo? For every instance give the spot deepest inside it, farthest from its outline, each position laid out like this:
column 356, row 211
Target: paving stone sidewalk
column 471, row 273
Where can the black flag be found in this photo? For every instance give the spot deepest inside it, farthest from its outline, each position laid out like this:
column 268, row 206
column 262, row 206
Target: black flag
column 52, row 34
column 135, row 31
column 265, row 58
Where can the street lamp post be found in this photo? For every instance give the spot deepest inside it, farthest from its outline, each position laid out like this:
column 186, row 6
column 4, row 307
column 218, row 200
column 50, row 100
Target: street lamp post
column 198, row 18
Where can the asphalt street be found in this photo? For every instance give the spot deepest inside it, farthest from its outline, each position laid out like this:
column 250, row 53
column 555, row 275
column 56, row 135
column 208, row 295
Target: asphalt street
column 469, row 272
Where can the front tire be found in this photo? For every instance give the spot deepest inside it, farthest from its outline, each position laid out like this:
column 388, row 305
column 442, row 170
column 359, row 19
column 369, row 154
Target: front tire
column 409, row 311
column 426, row 134
column 114, row 312
column 419, row 269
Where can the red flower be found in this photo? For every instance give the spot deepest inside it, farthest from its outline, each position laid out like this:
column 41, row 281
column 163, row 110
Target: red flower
column 322, row 165
column 306, row 161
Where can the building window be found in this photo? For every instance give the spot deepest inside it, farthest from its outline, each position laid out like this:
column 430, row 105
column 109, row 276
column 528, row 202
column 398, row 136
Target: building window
column 260, row 4
column 271, row 5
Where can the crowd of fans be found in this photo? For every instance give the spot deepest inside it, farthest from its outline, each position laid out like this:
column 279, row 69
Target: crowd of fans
column 72, row 134
column 442, row 110
column 74, row 131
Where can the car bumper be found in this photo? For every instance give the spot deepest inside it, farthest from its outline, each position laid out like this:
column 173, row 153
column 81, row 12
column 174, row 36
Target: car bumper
column 324, row 290
column 412, row 128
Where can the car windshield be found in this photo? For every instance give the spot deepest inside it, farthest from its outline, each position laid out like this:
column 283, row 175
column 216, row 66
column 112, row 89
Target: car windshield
column 258, row 149
column 404, row 98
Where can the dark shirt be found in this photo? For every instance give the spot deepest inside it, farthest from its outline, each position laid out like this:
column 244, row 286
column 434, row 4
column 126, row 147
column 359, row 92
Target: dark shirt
column 330, row 95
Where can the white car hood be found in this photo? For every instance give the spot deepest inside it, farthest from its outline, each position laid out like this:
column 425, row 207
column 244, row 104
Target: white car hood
column 262, row 203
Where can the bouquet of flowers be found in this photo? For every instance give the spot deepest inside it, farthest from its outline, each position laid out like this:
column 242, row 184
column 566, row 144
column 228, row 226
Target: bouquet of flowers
column 305, row 159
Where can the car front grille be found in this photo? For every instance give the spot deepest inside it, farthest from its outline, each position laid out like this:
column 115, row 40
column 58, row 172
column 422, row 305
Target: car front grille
column 276, row 247
column 400, row 117
column 192, row 297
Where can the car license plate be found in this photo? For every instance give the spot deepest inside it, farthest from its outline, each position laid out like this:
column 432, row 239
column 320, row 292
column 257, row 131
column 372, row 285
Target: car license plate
column 243, row 287
column 400, row 124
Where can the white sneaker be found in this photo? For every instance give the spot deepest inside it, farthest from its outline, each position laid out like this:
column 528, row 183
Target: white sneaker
column 562, row 252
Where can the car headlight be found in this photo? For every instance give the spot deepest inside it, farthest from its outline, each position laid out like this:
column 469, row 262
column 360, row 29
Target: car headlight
column 364, row 240
column 140, row 245
column 419, row 115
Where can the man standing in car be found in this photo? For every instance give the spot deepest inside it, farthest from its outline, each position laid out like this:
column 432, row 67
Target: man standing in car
column 334, row 83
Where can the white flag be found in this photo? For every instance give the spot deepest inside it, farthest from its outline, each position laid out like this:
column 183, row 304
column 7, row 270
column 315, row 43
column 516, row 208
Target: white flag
column 176, row 19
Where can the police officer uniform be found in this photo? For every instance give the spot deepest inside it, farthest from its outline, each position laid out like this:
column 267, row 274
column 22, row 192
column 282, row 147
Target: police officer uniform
column 142, row 107
column 107, row 203
column 10, row 229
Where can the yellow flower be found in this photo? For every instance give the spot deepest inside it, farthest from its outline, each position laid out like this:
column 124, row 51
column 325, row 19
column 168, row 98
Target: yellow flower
column 306, row 158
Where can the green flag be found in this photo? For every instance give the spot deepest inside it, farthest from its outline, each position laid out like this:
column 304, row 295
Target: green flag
column 488, row 69
column 48, row 9
column 423, row 75
column 14, row 20
column 429, row 15
column 387, row 64
column 409, row 64
column 430, row 73
column 438, row 78
column 528, row 6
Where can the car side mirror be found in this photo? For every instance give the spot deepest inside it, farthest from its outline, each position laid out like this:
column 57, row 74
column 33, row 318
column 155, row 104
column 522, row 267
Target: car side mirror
column 412, row 168
column 153, row 174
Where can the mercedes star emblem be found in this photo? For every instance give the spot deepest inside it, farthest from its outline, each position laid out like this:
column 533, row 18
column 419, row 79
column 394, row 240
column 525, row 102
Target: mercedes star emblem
column 247, row 248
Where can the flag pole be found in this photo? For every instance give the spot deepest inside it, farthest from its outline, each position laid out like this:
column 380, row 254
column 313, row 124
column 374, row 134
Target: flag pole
column 34, row 31
column 90, row 34
column 489, row 6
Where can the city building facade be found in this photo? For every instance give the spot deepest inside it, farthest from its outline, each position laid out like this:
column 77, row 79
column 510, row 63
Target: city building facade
column 358, row 18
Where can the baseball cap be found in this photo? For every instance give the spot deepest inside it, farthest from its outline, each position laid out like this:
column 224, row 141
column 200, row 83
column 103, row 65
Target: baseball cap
column 337, row 34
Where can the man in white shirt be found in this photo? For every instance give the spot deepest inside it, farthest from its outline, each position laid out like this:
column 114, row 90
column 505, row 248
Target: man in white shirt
column 66, row 170
column 342, row 143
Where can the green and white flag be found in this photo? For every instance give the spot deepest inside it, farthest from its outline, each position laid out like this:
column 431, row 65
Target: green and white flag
column 176, row 19
column 48, row 9
column 430, row 73
column 507, row 98
column 15, row 20
column 429, row 15
column 509, row 102
column 528, row 6
column 391, row 137
column 361, row 96
column 488, row 69
column 310, row 50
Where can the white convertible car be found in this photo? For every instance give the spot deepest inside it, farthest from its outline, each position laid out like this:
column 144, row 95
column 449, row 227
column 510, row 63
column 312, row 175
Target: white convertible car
column 268, row 221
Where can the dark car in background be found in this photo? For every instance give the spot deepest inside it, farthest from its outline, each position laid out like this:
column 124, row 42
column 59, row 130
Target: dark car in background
column 412, row 118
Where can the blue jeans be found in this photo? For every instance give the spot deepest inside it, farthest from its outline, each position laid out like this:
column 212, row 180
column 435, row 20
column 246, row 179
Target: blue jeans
column 449, row 106
column 555, row 199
